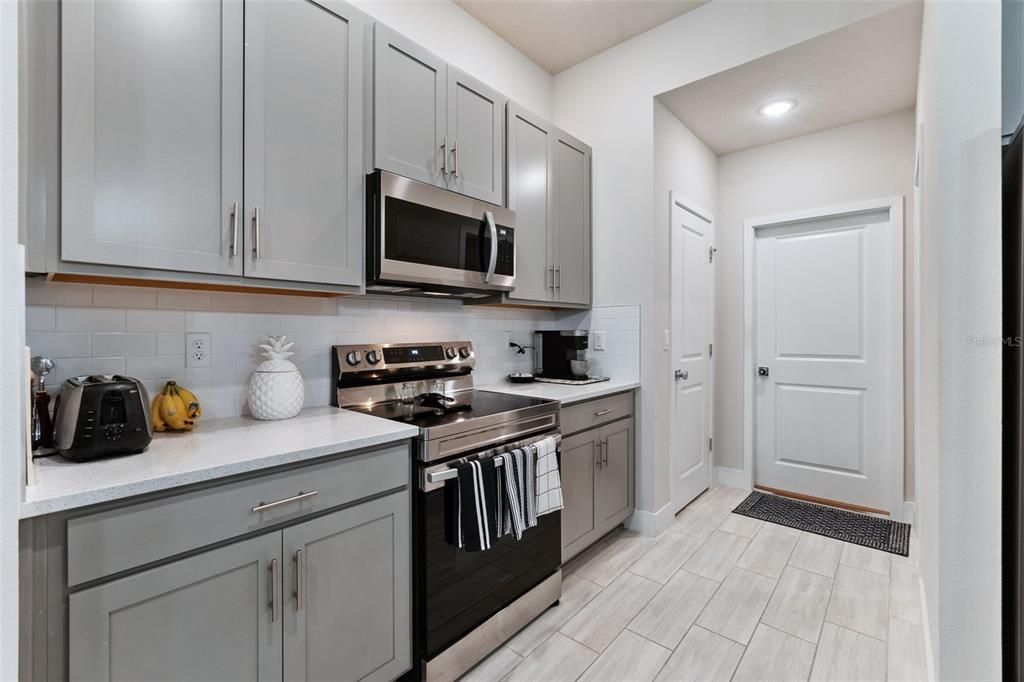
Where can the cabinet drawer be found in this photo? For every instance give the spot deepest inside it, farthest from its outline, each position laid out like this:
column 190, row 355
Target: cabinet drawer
column 119, row 539
column 596, row 412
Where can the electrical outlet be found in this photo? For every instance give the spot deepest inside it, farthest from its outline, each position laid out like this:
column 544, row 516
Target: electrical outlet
column 198, row 350
column 598, row 340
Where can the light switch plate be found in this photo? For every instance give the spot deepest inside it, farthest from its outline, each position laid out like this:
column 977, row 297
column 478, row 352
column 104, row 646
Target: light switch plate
column 598, row 341
column 198, row 350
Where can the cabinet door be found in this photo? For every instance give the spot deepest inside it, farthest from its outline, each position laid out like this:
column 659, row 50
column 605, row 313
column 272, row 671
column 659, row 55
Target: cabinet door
column 348, row 580
column 531, row 196
column 408, row 109
column 572, row 219
column 303, row 140
column 207, row 617
column 151, row 133
column 476, row 134
column 614, row 496
column 579, row 525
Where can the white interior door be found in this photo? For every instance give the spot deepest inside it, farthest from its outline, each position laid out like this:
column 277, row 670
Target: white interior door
column 691, row 240
column 827, row 353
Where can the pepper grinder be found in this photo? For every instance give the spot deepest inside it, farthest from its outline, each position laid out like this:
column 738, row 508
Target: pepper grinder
column 42, row 422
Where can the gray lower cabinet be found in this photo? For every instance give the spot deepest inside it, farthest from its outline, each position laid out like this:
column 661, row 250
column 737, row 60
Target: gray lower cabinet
column 597, row 483
column 549, row 188
column 201, row 618
column 434, row 123
column 218, row 138
column 347, row 581
column 303, row 141
column 151, row 136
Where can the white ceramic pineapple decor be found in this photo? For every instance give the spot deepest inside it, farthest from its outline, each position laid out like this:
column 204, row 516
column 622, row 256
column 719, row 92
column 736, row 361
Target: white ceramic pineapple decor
column 275, row 389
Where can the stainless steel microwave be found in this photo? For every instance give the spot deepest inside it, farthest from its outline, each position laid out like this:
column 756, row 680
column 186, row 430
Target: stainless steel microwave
column 422, row 239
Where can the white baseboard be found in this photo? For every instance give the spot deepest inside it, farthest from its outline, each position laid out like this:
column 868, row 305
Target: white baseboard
column 910, row 514
column 651, row 523
column 733, row 478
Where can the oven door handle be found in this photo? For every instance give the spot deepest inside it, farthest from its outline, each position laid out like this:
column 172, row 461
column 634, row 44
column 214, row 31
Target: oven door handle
column 434, row 477
column 489, row 217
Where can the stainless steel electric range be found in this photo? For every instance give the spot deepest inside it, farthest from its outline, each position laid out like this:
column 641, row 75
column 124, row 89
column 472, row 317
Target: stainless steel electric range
column 465, row 604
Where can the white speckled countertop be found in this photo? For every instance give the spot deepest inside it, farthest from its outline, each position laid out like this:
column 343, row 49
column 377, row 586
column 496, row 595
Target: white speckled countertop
column 564, row 393
column 217, row 448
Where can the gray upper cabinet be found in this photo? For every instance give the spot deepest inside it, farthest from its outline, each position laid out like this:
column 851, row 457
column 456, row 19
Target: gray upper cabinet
column 476, row 137
column 303, row 141
column 549, row 187
column 348, row 580
column 151, row 139
column 531, row 196
column 409, row 108
column 572, row 219
column 434, row 123
column 207, row 617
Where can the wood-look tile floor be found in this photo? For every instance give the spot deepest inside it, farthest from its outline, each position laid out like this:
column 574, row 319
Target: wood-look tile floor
column 724, row 597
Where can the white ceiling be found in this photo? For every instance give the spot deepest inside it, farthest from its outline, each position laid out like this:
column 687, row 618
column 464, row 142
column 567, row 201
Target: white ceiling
column 558, row 34
column 862, row 70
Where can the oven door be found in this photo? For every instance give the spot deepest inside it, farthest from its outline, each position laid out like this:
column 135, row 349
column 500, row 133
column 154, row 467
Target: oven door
column 423, row 235
column 455, row 590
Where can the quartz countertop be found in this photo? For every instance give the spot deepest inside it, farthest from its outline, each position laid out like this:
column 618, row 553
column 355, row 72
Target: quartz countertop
column 566, row 394
column 215, row 449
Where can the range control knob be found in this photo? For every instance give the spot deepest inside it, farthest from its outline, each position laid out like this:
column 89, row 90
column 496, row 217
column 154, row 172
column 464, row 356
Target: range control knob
column 465, row 352
column 354, row 358
column 449, row 353
column 373, row 357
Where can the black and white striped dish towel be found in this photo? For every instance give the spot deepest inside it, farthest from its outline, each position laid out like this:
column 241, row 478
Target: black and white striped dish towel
column 517, row 497
column 471, row 505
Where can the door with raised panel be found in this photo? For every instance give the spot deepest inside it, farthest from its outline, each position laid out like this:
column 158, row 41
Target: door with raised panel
column 572, row 219
column 347, row 582
column 578, row 463
column 476, row 136
column 208, row 617
column 151, row 136
column 304, row 141
column 613, row 499
column 409, row 109
column 531, row 196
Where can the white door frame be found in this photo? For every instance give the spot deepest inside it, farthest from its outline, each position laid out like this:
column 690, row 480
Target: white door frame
column 676, row 199
column 750, row 227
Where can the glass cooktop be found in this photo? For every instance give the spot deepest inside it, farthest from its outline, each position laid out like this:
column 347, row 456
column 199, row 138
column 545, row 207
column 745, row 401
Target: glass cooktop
column 467, row 405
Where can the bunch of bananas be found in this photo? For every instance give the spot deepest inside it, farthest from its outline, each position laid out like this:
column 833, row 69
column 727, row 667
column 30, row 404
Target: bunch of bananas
column 175, row 408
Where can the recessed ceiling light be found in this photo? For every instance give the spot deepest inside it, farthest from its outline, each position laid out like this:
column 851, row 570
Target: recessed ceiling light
column 776, row 108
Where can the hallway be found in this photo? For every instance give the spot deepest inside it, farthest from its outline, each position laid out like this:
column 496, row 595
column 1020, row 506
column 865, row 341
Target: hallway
column 721, row 596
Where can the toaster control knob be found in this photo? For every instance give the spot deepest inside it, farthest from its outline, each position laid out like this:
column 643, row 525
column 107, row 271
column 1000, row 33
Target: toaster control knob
column 465, row 352
column 449, row 353
column 354, row 358
column 373, row 357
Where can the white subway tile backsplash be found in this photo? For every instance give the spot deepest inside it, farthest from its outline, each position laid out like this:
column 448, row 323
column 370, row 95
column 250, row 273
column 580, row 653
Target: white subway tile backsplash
column 148, row 342
column 90, row 320
column 125, row 344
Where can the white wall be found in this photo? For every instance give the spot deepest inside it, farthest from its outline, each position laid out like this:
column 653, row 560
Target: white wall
column 11, row 344
column 958, row 496
column 453, row 34
column 683, row 164
column 620, row 127
column 871, row 159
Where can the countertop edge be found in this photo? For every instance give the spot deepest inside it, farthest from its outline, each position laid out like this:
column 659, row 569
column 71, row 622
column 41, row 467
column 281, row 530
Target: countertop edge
column 578, row 394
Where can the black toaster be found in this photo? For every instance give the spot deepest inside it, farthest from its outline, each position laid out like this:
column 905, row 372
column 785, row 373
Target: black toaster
column 102, row 415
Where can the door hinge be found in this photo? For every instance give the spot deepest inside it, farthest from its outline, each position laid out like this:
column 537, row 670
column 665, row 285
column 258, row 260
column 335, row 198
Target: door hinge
column 711, row 254
column 711, row 350
column 710, row 443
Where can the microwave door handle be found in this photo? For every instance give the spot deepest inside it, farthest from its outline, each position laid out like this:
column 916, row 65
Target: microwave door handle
column 489, row 217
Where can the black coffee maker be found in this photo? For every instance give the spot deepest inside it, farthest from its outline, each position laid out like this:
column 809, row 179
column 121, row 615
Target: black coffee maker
column 562, row 354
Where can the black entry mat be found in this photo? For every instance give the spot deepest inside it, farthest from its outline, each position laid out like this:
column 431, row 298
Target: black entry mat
column 859, row 529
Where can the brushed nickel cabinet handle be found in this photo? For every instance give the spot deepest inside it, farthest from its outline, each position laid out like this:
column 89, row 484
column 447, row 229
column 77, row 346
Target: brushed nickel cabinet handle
column 263, row 506
column 455, row 155
column 601, row 413
column 444, row 155
column 275, row 591
column 300, row 580
column 558, row 277
column 604, row 449
column 256, row 232
column 597, row 454
column 234, row 229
